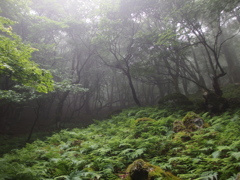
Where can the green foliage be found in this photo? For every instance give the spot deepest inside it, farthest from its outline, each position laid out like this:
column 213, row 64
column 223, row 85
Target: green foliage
column 105, row 149
column 15, row 63
column 231, row 92
column 175, row 100
column 67, row 85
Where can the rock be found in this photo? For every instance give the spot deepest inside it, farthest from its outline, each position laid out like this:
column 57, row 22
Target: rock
column 178, row 126
column 182, row 136
column 141, row 170
column 190, row 123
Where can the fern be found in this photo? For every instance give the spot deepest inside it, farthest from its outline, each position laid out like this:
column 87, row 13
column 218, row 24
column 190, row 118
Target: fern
column 105, row 149
column 236, row 155
column 84, row 175
column 137, row 153
column 216, row 154
column 208, row 175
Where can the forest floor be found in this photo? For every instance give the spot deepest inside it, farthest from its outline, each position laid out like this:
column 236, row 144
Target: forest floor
column 107, row 149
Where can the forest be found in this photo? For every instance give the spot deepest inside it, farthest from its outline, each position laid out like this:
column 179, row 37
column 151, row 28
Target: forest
column 119, row 89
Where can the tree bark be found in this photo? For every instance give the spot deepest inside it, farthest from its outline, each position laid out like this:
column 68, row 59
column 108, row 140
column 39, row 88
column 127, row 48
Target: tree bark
column 134, row 94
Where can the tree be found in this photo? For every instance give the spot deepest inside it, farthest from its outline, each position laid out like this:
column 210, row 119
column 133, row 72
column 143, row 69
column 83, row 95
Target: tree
column 204, row 20
column 116, row 45
column 15, row 62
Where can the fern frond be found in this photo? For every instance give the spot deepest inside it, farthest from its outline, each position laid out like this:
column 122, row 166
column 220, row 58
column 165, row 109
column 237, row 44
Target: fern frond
column 208, row 175
column 236, row 155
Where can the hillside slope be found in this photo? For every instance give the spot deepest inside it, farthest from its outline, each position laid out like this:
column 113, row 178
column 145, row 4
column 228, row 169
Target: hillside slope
column 105, row 149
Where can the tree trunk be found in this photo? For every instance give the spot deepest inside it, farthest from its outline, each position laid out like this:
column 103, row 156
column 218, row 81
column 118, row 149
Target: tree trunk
column 216, row 86
column 37, row 110
column 231, row 59
column 134, row 94
column 59, row 109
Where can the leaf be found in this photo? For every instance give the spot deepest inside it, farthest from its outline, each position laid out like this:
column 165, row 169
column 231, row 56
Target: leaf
column 221, row 148
column 62, row 177
column 16, row 64
column 236, row 155
column 208, row 175
column 138, row 153
column 216, row 154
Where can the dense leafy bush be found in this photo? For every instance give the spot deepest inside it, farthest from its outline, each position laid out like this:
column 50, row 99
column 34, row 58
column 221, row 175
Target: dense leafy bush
column 105, row 149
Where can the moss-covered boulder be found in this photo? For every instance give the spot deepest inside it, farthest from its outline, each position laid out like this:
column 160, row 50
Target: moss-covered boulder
column 141, row 170
column 175, row 100
column 190, row 123
column 182, row 136
column 143, row 125
column 178, row 126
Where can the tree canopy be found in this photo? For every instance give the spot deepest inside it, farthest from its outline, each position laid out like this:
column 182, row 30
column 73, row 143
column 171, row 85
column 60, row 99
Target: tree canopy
column 79, row 58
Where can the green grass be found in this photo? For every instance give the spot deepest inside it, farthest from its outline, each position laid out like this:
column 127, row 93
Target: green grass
column 106, row 148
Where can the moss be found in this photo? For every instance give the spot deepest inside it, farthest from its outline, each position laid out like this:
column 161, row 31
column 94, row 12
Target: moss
column 182, row 136
column 143, row 125
column 144, row 119
column 141, row 170
column 190, row 115
column 191, row 122
column 178, row 126
column 206, row 125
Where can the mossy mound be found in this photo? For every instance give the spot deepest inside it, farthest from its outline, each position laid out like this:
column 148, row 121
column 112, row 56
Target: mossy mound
column 178, row 126
column 175, row 100
column 182, row 136
column 141, row 170
column 191, row 122
column 143, row 125
column 144, row 119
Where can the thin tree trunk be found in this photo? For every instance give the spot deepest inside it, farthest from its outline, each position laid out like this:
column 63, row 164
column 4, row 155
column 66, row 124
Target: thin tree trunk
column 134, row 94
column 35, row 122
column 59, row 109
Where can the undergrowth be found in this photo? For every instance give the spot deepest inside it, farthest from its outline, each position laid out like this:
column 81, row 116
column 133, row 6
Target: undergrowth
column 106, row 148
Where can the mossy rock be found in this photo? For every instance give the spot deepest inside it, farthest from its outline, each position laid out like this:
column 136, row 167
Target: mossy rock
column 141, row 170
column 175, row 100
column 190, row 123
column 144, row 124
column 178, row 126
column 182, row 136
